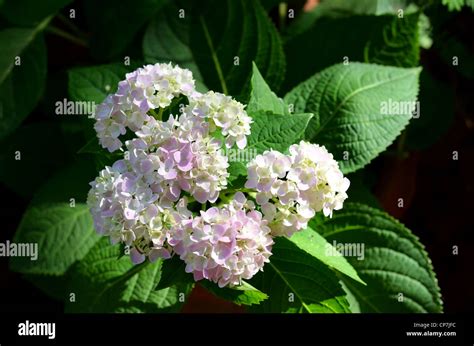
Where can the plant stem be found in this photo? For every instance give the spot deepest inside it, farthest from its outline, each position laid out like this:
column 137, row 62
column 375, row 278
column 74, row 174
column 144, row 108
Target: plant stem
column 252, row 194
column 64, row 34
column 229, row 191
column 214, row 57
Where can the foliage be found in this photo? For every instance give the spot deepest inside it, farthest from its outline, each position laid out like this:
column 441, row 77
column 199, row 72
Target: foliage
column 315, row 79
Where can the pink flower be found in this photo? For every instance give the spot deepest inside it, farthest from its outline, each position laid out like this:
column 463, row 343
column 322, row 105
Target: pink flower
column 225, row 245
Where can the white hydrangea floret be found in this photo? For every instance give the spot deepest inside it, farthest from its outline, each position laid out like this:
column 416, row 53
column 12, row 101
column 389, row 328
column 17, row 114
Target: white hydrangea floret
column 148, row 88
column 224, row 113
column 292, row 188
column 124, row 207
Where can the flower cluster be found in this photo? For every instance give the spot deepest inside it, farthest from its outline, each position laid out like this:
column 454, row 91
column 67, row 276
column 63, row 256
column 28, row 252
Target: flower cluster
column 147, row 88
column 226, row 114
column 226, row 244
column 141, row 199
column 153, row 87
column 292, row 188
column 154, row 199
column 197, row 167
column 124, row 208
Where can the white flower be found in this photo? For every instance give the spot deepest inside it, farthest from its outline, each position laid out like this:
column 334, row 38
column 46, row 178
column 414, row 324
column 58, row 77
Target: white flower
column 125, row 208
column 265, row 169
column 292, row 188
column 148, row 88
column 224, row 113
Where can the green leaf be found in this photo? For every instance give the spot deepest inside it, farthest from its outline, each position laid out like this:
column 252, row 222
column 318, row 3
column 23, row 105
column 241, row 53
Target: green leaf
column 351, row 299
column 58, row 189
column 236, row 169
column 469, row 3
column 348, row 102
column 103, row 283
column 275, row 131
column 114, row 24
column 95, row 83
column 375, row 7
column 100, row 156
column 454, row 5
column 394, row 263
column 346, row 9
column 262, row 98
column 398, row 44
column 244, row 294
column 167, row 39
column 62, row 233
column 173, row 272
column 21, row 86
column 310, row 241
column 324, row 40
column 297, row 282
column 425, row 32
column 14, row 42
column 227, row 36
column 30, row 12
column 91, row 147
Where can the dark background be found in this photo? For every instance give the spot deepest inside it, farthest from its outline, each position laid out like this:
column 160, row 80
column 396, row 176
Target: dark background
column 437, row 190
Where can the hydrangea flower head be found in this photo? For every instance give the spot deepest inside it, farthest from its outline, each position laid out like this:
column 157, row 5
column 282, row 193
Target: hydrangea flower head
column 147, row 88
column 292, row 188
column 224, row 244
column 142, row 199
